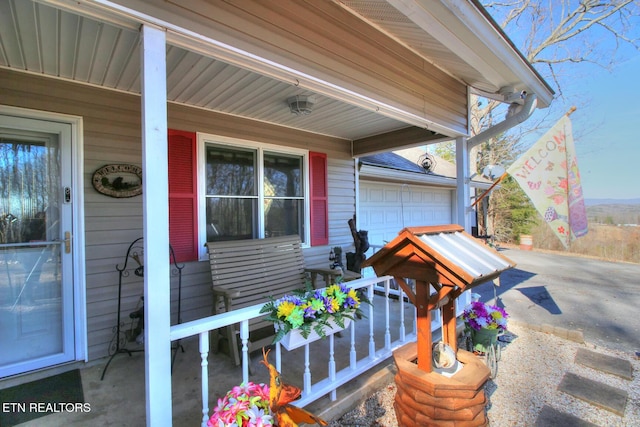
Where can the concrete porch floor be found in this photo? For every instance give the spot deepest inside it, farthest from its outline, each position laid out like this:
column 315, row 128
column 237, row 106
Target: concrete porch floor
column 119, row 399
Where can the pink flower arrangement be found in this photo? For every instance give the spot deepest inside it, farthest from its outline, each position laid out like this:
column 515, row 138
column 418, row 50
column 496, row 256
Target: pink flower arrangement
column 479, row 315
column 243, row 406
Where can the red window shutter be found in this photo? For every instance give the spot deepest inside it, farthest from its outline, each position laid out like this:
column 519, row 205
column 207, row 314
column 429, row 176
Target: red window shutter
column 183, row 195
column 319, row 199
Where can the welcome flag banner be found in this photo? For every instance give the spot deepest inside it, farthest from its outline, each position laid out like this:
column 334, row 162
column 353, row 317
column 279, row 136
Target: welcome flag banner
column 548, row 174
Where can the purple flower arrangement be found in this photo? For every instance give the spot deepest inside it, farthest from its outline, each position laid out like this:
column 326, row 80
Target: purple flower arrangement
column 479, row 315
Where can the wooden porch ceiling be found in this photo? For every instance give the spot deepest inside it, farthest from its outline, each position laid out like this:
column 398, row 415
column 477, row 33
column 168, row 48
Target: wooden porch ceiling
column 86, row 43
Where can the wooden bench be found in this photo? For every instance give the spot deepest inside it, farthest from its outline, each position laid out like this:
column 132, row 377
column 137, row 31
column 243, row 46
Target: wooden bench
column 249, row 272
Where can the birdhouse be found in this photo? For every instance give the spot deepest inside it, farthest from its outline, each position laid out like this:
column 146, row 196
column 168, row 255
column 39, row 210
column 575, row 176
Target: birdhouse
column 445, row 258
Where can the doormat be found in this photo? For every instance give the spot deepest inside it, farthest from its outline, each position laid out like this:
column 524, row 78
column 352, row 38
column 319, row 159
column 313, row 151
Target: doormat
column 25, row 402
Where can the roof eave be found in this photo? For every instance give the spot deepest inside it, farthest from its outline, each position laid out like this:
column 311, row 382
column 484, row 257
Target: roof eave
column 474, row 37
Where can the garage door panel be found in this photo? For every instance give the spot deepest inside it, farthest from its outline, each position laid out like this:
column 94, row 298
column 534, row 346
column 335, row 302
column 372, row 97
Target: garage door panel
column 392, row 216
column 376, row 218
column 440, row 198
column 421, row 216
column 376, row 195
column 387, row 208
column 442, row 216
column 391, row 195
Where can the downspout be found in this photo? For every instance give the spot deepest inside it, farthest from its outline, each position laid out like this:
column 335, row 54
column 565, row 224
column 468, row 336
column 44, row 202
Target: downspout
column 462, row 155
column 528, row 107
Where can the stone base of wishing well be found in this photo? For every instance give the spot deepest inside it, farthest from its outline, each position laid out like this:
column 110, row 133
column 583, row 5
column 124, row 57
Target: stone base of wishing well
column 432, row 399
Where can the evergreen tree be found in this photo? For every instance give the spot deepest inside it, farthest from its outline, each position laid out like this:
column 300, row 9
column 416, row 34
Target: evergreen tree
column 513, row 213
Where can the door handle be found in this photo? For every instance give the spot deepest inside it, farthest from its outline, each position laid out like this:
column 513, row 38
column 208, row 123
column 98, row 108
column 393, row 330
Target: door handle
column 67, row 242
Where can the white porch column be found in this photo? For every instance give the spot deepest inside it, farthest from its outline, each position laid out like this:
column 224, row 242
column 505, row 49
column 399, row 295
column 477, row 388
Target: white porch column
column 155, row 196
column 463, row 197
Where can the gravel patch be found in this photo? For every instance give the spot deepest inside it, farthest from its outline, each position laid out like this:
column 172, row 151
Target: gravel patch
column 529, row 371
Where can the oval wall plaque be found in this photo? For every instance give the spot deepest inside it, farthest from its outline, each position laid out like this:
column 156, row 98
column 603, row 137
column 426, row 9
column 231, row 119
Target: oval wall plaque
column 118, row 180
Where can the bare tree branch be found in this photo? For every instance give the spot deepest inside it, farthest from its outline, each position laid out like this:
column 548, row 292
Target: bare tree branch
column 557, row 37
column 569, row 31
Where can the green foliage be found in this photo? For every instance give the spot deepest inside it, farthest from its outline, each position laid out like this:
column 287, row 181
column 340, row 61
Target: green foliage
column 445, row 150
column 510, row 213
column 513, row 212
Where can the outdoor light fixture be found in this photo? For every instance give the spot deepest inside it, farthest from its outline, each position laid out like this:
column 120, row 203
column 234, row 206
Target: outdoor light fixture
column 301, row 105
column 427, row 162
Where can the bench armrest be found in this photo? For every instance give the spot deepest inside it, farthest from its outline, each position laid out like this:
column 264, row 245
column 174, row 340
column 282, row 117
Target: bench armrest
column 225, row 293
column 329, row 275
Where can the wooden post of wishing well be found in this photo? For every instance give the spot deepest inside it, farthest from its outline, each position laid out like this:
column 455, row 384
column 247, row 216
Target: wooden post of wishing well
column 424, row 326
column 449, row 334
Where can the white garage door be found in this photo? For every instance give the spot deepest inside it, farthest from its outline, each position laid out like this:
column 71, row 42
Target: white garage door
column 385, row 209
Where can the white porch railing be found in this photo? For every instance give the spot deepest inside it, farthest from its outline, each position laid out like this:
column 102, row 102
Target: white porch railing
column 358, row 364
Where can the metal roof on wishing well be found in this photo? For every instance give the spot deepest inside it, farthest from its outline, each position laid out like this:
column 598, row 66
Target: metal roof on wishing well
column 473, row 258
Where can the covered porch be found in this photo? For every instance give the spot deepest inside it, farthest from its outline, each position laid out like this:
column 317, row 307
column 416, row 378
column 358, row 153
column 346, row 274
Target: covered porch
column 127, row 76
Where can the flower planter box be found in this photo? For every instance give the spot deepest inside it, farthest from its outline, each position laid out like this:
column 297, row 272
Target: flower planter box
column 294, row 339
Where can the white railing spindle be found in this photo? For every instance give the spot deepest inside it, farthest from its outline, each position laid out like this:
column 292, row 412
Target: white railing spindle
column 307, row 371
column 387, row 331
column 353, row 355
column 372, row 342
column 204, row 357
column 402, row 329
column 332, row 365
column 244, row 338
column 279, row 357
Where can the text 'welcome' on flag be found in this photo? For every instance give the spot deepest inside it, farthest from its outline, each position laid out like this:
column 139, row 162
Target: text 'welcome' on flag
column 548, row 174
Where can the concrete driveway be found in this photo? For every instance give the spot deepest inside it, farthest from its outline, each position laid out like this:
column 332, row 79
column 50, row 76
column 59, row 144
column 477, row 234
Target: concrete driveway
column 599, row 298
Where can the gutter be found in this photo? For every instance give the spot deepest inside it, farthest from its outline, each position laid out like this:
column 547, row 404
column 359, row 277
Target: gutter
column 381, row 173
column 528, row 107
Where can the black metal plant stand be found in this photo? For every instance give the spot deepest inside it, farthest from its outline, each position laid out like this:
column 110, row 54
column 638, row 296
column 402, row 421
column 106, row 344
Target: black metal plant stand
column 119, row 342
column 178, row 267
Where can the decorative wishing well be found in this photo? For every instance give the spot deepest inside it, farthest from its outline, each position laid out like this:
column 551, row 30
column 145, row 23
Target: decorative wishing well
column 451, row 261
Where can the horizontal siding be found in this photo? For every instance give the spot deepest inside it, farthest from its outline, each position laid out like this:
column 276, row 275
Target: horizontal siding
column 112, row 135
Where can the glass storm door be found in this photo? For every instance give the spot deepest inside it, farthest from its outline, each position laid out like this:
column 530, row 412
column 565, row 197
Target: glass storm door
column 36, row 266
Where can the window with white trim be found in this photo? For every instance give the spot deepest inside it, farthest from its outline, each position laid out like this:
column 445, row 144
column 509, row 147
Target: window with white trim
column 226, row 189
column 252, row 190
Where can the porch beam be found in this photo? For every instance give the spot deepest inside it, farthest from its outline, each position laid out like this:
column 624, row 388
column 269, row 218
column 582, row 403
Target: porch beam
column 155, row 197
column 403, row 138
column 463, row 195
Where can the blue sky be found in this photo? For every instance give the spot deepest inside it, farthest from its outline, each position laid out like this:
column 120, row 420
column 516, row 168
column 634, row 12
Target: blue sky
column 606, row 122
column 606, row 130
column 606, row 126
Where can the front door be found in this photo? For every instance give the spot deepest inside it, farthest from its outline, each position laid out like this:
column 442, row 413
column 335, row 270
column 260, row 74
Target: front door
column 36, row 257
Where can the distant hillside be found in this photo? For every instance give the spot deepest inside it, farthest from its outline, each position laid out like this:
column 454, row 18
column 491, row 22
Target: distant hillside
column 609, row 242
column 614, row 213
column 593, row 202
